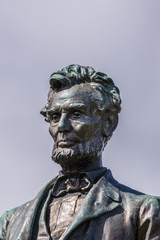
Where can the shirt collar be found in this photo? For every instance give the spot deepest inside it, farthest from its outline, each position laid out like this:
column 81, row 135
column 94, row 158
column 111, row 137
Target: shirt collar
column 66, row 183
column 94, row 176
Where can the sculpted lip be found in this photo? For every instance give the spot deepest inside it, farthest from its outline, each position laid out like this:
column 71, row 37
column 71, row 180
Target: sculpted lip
column 66, row 143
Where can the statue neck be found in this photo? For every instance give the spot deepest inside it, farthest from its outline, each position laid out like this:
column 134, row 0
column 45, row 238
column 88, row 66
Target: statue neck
column 83, row 165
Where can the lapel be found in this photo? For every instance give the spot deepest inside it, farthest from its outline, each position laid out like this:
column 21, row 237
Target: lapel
column 103, row 198
column 23, row 226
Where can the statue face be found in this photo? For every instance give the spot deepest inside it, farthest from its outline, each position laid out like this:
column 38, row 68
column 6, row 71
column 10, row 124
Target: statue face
column 76, row 125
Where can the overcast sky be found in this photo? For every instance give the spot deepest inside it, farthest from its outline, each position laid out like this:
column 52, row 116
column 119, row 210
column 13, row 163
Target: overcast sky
column 120, row 38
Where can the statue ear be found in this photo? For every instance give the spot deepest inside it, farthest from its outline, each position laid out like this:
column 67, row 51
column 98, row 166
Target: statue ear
column 110, row 124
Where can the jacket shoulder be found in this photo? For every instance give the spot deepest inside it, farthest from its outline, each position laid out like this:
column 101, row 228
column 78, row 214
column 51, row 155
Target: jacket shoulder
column 7, row 216
column 131, row 194
column 13, row 214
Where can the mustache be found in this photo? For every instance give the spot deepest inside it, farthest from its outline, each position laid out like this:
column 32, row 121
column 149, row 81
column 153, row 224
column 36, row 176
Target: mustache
column 66, row 137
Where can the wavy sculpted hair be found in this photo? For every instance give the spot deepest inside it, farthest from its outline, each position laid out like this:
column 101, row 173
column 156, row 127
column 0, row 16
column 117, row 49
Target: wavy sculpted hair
column 74, row 74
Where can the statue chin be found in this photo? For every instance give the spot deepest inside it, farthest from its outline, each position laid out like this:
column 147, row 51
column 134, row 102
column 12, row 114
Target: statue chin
column 81, row 156
column 62, row 155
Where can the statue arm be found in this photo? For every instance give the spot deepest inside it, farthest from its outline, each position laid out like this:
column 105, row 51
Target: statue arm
column 149, row 220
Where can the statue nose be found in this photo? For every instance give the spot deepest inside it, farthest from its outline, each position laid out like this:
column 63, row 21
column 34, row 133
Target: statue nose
column 64, row 123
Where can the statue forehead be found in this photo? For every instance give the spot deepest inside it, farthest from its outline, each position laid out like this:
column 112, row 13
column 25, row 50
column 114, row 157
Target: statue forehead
column 78, row 93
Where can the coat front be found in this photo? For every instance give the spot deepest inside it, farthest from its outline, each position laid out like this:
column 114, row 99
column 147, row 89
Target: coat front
column 110, row 211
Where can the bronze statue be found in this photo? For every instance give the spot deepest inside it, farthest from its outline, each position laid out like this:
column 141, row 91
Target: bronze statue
column 84, row 201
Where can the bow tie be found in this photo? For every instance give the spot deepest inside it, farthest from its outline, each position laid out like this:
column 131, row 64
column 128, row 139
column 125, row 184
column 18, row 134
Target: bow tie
column 66, row 185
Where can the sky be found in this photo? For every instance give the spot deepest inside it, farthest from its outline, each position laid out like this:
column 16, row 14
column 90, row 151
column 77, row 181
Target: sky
column 119, row 38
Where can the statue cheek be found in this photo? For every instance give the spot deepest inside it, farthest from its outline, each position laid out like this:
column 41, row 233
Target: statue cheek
column 84, row 130
column 52, row 131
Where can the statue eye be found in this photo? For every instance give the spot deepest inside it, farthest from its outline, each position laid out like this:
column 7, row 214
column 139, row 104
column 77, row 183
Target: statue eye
column 55, row 117
column 76, row 115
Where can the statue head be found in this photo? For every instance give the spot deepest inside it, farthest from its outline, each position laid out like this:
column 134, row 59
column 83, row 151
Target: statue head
column 82, row 110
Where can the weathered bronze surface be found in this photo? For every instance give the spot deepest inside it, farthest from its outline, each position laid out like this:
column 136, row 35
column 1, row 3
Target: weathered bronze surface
column 84, row 201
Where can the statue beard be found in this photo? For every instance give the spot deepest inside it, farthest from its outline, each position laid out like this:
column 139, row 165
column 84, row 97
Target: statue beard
column 87, row 152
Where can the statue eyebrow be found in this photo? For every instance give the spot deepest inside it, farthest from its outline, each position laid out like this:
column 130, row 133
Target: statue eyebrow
column 71, row 106
column 76, row 106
